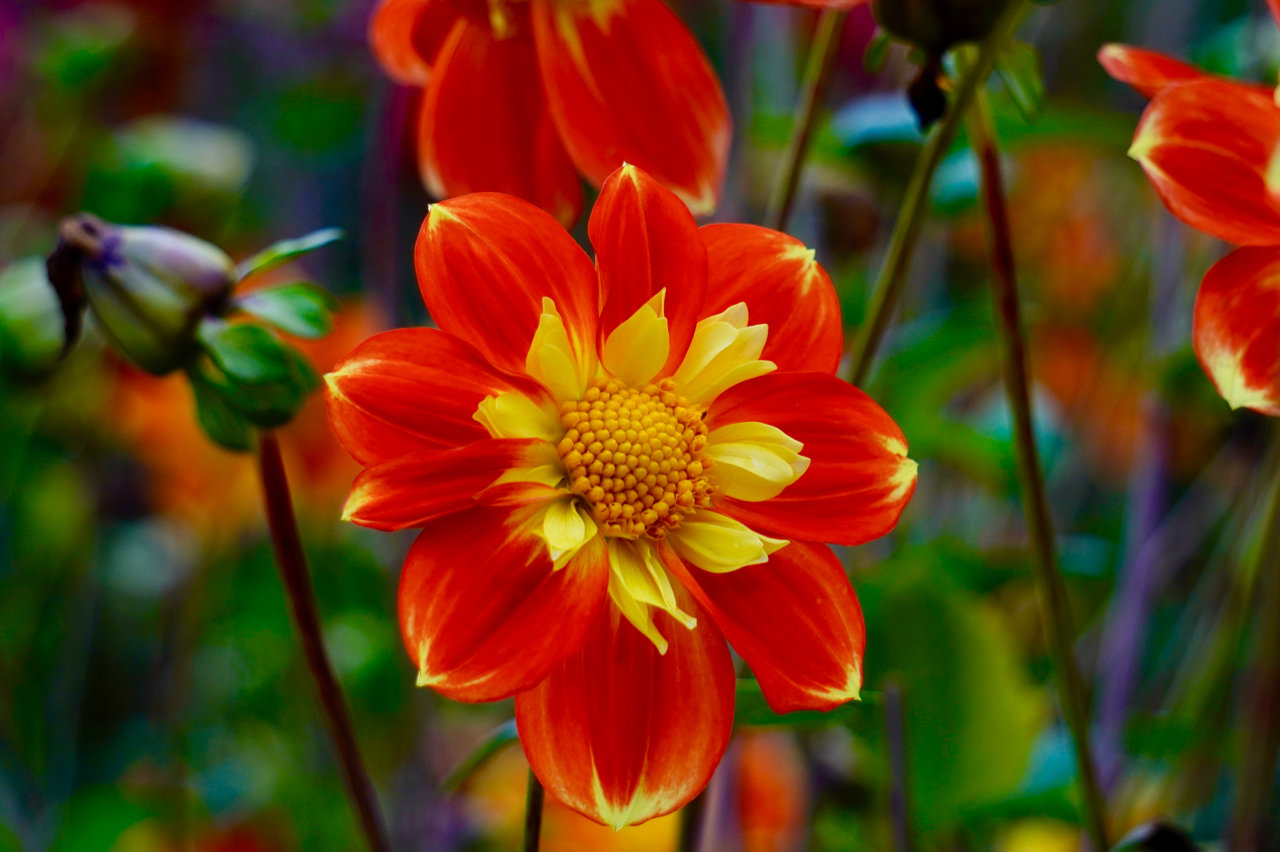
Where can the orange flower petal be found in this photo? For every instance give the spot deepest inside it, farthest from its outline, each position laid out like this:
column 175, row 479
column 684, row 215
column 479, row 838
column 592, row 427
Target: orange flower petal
column 1206, row 147
column 1237, row 328
column 483, row 614
column 783, row 286
column 410, row 390
column 485, row 126
column 621, row 733
column 406, row 36
column 1147, row 71
column 795, row 620
column 646, row 241
column 627, row 82
column 484, row 264
column 859, row 478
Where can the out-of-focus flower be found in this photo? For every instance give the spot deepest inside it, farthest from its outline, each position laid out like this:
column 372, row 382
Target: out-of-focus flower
column 609, row 475
column 1237, row 328
column 33, row 330
column 1038, row 835
column 773, row 791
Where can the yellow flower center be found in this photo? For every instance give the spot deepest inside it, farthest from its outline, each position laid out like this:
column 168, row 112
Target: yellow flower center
column 636, row 455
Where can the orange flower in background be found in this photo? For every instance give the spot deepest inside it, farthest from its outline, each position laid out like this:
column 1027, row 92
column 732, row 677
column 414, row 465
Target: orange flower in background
column 611, row 480
column 773, row 791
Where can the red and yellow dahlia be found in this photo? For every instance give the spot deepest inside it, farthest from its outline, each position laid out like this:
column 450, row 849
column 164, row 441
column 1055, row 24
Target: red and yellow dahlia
column 616, row 468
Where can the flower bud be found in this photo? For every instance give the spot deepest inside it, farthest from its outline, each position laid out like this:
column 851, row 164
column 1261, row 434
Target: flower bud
column 148, row 287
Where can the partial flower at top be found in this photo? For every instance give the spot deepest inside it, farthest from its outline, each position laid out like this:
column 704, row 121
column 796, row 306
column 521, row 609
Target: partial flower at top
column 615, row 468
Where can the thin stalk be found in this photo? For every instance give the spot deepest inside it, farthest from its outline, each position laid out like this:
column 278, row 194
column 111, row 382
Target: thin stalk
column 296, row 578
column 817, row 74
column 899, row 797
column 915, row 204
column 1052, row 591
column 691, row 822
column 533, row 799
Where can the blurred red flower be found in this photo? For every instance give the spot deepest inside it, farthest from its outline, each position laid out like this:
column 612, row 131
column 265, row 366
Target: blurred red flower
column 609, row 476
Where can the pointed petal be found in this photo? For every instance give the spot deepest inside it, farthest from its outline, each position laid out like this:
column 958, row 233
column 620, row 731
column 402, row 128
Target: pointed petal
column 622, row 733
column 485, row 127
column 1147, row 71
column 406, row 36
column 794, row 619
column 719, row 544
column 484, row 264
column 645, row 242
column 411, row 490
column 483, row 613
column 783, row 287
column 1237, row 328
column 1206, row 147
column 410, row 390
column 628, row 83
column 859, row 478
column 637, row 350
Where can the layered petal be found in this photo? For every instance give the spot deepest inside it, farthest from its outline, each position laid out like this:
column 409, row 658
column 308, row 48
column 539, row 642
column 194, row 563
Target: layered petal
column 783, row 287
column 485, row 126
column 794, row 619
column 412, row 390
column 623, row 733
column 483, row 612
column 628, row 83
column 485, row 262
column 646, row 242
column 1207, row 146
column 406, row 36
column 1147, row 71
column 723, row 352
column 1237, row 328
column 859, row 478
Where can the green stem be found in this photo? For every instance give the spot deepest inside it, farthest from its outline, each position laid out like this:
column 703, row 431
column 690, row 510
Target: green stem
column 916, row 202
column 533, row 799
column 1052, row 591
column 817, row 73
column 691, row 822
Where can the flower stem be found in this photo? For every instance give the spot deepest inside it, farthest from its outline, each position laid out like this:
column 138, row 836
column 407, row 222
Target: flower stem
column 817, row 73
column 899, row 795
column 296, row 578
column 691, row 822
column 1054, row 607
column 915, row 204
column 533, row 799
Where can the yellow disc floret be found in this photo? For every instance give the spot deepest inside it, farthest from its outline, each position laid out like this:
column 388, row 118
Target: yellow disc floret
column 636, row 456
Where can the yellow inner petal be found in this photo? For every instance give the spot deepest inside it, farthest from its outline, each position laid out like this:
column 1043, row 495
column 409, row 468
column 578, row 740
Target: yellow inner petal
column 638, row 348
column 564, row 526
column 638, row 582
column 719, row 544
column 723, row 352
column 754, row 461
column 553, row 360
column 514, row 415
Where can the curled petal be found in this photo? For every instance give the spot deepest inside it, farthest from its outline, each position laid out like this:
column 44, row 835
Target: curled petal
column 754, row 461
column 485, row 262
column 406, row 36
column 638, row 582
column 646, row 242
column 622, row 733
column 783, row 287
column 720, row 544
column 1147, row 71
column 1237, row 328
column 484, row 614
column 411, row 390
column 485, row 127
column 794, row 619
column 1206, row 147
column 723, row 352
column 628, row 83
column 859, row 478
column 637, row 349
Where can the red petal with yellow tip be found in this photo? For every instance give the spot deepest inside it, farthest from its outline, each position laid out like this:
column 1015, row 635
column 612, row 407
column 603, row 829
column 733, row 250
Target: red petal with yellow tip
column 1206, row 147
column 406, row 36
column 628, row 83
column 794, row 619
column 411, row 390
column 783, row 286
column 411, row 490
column 484, row 264
column 1237, row 328
column 1147, row 71
column 485, row 127
column 483, row 614
column 645, row 241
column 622, row 733
column 859, row 478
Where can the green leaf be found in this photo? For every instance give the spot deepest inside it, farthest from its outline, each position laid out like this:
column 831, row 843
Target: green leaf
column 301, row 309
column 750, row 708
column 225, row 426
column 489, row 745
column 1019, row 68
column 247, row 353
column 877, row 52
column 286, row 250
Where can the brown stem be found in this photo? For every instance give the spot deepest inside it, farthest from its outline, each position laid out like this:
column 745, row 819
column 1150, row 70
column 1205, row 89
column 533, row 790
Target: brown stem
column 899, row 796
column 691, row 822
column 292, row 563
column 533, row 800
column 1051, row 588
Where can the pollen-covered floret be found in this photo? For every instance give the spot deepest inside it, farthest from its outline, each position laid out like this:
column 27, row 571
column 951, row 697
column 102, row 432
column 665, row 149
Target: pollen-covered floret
column 636, row 456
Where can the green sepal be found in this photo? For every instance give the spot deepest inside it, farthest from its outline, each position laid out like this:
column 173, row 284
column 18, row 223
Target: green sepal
column 286, row 250
column 225, row 426
column 260, row 376
column 247, row 353
column 1019, row 67
column 751, row 709
column 877, row 52
column 489, row 745
column 302, row 309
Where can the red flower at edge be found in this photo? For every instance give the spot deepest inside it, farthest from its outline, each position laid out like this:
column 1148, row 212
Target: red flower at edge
column 1209, row 147
column 611, row 480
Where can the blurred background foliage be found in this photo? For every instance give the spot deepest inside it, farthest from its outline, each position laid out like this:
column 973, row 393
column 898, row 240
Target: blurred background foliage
column 151, row 694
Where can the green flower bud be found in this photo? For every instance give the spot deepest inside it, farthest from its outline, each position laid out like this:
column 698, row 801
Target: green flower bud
column 148, row 287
